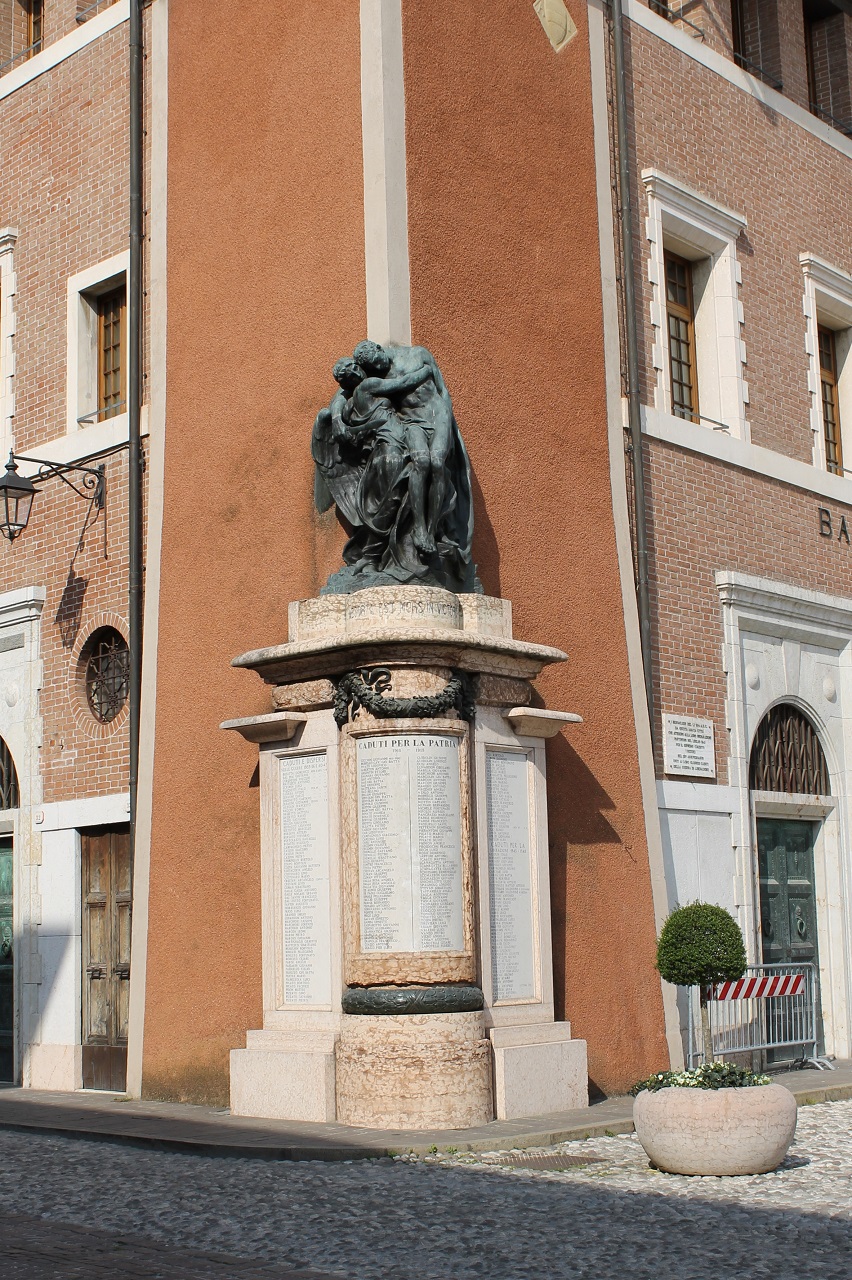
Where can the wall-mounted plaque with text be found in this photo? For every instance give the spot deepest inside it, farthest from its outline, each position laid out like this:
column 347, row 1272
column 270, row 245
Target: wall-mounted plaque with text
column 305, row 879
column 688, row 747
column 410, row 843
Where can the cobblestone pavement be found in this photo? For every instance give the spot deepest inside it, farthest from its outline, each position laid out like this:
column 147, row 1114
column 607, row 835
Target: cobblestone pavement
column 70, row 1208
column 40, row 1250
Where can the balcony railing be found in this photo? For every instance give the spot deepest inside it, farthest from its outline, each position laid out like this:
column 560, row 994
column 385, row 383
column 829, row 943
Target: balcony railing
column 38, row 45
column 92, row 9
column 30, row 50
column 747, row 65
column 674, row 15
column 100, row 415
column 844, row 126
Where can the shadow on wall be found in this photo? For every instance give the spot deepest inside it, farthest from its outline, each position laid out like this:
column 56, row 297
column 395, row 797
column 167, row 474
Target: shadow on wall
column 577, row 806
column 577, row 801
column 70, row 610
column 55, row 952
column 202, row 1084
column 486, row 552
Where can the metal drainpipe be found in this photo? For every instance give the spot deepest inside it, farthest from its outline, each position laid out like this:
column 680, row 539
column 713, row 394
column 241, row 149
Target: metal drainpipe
column 134, row 406
column 634, row 413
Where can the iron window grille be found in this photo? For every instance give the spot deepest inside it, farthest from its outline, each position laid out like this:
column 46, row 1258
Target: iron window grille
column 107, row 674
column 786, row 756
column 9, row 793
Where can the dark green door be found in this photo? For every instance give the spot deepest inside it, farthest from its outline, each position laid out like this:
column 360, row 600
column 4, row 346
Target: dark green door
column 7, row 964
column 788, row 919
column 787, row 897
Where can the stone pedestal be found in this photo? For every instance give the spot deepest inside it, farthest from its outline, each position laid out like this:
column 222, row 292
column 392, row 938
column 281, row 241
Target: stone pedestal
column 406, row 913
column 417, row 1071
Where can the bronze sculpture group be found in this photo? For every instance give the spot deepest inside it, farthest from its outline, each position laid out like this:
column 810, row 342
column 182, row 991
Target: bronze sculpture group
column 389, row 455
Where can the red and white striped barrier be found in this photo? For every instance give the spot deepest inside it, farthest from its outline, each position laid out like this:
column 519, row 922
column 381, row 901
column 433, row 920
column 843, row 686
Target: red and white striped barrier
column 780, row 984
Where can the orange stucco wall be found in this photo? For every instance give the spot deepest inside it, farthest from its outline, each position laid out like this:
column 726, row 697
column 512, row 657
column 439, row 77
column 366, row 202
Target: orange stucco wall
column 506, row 291
column 265, row 290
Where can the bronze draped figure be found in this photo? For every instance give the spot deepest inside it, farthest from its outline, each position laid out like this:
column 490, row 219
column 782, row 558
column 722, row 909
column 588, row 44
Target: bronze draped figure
column 390, row 457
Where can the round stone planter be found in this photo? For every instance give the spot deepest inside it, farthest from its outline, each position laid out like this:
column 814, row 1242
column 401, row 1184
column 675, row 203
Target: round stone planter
column 716, row 1131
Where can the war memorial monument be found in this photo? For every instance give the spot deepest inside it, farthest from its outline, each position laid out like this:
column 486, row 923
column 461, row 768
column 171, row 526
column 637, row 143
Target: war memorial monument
column 407, row 970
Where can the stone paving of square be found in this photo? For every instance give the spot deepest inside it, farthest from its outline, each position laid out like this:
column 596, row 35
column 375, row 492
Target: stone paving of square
column 69, row 1207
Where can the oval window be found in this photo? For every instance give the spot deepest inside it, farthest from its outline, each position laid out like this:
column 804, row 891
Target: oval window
column 107, row 659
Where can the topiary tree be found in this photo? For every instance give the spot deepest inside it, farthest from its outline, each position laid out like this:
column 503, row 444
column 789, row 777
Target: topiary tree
column 701, row 944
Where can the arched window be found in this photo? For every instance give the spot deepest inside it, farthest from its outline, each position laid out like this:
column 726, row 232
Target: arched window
column 9, row 795
column 786, row 755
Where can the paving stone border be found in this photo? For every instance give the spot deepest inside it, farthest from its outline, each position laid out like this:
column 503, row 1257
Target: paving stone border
column 208, row 1131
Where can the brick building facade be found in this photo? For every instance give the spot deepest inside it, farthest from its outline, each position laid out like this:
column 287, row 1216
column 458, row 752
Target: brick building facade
column 740, row 180
column 63, row 583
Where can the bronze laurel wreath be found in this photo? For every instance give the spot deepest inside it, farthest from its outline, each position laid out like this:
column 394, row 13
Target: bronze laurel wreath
column 366, row 688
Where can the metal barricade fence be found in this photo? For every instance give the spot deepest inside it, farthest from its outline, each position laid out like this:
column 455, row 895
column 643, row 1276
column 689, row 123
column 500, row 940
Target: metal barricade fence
column 743, row 1021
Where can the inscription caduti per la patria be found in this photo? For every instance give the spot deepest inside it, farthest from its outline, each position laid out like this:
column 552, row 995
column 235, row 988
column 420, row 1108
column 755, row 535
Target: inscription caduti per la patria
column 409, row 843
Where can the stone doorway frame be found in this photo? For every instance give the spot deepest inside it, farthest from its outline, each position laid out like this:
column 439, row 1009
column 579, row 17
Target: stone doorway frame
column 787, row 644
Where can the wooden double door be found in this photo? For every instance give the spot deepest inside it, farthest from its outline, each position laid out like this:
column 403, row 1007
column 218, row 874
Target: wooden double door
column 107, row 910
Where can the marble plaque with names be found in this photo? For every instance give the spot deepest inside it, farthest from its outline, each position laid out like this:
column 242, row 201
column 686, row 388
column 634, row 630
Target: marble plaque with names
column 409, row 842
column 510, row 876
column 688, row 747
column 305, row 879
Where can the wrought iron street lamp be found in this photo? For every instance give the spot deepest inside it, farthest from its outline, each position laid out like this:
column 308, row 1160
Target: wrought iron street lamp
column 16, row 501
column 17, row 491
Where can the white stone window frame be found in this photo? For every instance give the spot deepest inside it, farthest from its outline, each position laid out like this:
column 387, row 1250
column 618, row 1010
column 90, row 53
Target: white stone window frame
column 82, row 344
column 8, row 289
column 827, row 302
column 684, row 222
column 806, row 638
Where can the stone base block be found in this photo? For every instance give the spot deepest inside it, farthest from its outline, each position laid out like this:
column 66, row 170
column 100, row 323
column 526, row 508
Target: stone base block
column 538, row 1070
column 277, row 1080
column 414, row 1071
column 58, row 1067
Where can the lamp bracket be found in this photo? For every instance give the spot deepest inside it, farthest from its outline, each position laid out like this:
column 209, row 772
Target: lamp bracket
column 92, row 482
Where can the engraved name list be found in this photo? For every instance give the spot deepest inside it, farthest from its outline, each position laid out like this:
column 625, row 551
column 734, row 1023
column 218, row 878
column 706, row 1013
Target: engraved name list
column 409, row 843
column 305, row 879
